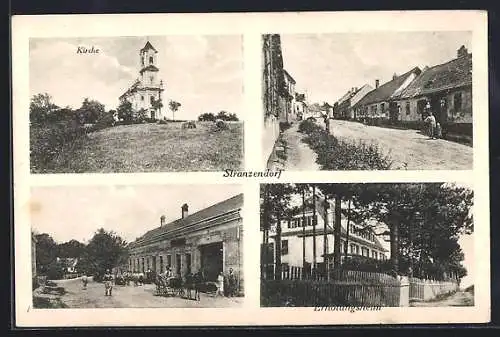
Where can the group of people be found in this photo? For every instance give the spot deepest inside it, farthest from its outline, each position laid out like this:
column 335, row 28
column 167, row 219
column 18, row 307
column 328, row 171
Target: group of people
column 433, row 128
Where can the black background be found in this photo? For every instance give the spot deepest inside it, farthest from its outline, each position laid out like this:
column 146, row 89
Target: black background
column 34, row 7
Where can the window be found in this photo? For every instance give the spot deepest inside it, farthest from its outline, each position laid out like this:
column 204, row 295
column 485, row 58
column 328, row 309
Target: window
column 284, row 247
column 151, row 100
column 457, row 101
column 169, row 260
column 375, row 255
column 142, row 98
column 161, row 264
column 357, row 250
column 365, row 252
column 382, row 107
column 151, row 78
column 142, row 61
column 407, row 107
column 151, row 60
column 353, row 248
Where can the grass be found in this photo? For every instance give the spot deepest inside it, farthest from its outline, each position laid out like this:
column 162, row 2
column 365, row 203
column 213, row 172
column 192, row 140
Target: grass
column 153, row 148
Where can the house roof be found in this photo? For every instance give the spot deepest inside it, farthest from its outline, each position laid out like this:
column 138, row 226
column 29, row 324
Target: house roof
column 385, row 91
column 223, row 207
column 287, row 74
column 148, row 46
column 452, row 74
column 360, row 93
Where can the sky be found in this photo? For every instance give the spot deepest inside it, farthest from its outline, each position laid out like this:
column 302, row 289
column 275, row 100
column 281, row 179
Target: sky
column 77, row 212
column 203, row 73
column 326, row 66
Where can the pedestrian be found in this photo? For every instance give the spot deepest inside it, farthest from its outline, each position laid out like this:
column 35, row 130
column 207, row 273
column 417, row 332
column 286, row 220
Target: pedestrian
column 232, row 283
column 430, row 120
column 220, row 284
column 84, row 281
column 439, row 131
column 108, row 283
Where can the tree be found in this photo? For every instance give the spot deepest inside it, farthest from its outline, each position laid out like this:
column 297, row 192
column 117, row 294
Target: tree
column 174, row 106
column 207, row 117
column 72, row 249
column 41, row 107
column 90, row 111
column 105, row 250
column 125, row 111
column 46, row 252
column 225, row 116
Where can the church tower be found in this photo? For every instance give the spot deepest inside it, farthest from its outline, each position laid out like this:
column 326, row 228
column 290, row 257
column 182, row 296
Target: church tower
column 147, row 89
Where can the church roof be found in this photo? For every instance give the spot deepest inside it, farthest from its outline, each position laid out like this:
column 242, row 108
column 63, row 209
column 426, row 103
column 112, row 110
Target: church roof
column 148, row 46
column 149, row 68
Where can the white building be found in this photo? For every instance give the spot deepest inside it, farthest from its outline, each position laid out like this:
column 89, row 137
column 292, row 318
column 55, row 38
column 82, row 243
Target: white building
column 147, row 88
column 361, row 241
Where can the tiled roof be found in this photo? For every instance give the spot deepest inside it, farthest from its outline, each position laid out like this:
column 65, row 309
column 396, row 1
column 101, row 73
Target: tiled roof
column 385, row 91
column 453, row 74
column 228, row 205
column 147, row 46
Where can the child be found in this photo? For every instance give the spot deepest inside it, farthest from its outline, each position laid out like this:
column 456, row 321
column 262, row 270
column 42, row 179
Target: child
column 439, row 131
column 220, row 284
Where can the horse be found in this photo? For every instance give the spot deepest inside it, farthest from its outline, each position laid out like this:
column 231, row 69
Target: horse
column 193, row 283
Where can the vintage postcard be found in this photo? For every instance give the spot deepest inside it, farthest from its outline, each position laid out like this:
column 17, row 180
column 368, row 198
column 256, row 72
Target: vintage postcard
column 251, row 169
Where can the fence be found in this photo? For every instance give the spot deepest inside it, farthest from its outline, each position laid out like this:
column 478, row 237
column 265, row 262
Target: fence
column 425, row 290
column 344, row 288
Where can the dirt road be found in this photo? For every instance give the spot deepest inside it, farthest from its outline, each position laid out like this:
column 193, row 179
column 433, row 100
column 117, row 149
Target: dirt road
column 409, row 149
column 135, row 297
column 458, row 299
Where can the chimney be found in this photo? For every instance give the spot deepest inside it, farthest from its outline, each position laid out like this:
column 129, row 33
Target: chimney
column 376, row 84
column 184, row 209
column 394, row 76
column 462, row 51
column 162, row 221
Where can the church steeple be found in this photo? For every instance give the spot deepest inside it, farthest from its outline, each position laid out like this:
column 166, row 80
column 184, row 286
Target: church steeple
column 148, row 64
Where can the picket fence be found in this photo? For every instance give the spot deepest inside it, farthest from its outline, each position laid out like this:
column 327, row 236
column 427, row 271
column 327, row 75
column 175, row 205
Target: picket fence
column 342, row 288
column 424, row 290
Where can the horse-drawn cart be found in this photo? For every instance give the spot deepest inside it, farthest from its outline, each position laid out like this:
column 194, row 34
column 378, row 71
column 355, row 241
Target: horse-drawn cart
column 169, row 286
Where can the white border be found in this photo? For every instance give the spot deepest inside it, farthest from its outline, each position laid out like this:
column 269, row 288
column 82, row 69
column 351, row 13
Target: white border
column 251, row 26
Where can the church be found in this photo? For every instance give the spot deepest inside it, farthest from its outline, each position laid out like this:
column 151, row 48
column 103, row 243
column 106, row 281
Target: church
column 147, row 88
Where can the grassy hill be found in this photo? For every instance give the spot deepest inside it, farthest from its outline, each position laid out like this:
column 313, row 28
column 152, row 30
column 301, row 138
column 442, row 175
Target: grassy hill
column 150, row 148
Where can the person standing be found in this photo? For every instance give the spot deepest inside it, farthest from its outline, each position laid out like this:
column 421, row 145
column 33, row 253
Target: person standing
column 231, row 283
column 108, row 283
column 220, row 284
column 431, row 124
column 84, row 281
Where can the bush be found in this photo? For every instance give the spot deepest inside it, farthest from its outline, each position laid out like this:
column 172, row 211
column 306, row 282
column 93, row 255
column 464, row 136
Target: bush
column 284, row 126
column 335, row 154
column 47, row 140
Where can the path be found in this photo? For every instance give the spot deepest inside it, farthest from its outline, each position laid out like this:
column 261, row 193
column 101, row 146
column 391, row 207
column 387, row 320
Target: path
column 299, row 156
column 408, row 148
column 458, row 299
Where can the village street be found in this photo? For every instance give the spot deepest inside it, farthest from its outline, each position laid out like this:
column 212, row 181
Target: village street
column 135, row 297
column 409, row 149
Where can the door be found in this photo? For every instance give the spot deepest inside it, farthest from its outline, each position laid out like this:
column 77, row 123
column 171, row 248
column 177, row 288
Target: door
column 153, row 114
column 153, row 267
column 188, row 263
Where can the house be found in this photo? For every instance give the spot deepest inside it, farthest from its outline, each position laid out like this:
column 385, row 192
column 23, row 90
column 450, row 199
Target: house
column 209, row 240
column 300, row 106
column 445, row 88
column 300, row 229
column 344, row 106
column 288, row 110
column 147, row 89
column 69, row 264
column 273, row 82
column 381, row 101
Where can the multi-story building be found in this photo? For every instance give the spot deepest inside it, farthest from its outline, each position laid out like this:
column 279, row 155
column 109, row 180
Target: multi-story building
column 300, row 232
column 209, row 240
column 147, row 88
column 288, row 110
